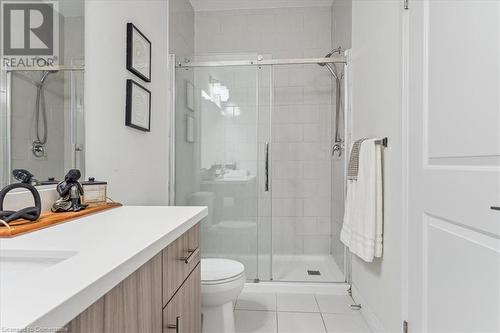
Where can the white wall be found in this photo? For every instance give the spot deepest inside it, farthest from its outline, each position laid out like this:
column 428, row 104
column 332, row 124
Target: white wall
column 376, row 45
column 181, row 27
column 134, row 163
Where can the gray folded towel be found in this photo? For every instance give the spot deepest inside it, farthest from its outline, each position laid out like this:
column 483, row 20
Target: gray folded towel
column 352, row 170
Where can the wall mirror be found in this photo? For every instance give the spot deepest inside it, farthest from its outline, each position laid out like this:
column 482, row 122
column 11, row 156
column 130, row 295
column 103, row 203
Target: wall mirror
column 42, row 103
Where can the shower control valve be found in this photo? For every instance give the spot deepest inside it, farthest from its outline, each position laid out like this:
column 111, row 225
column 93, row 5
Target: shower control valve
column 337, row 148
column 38, row 149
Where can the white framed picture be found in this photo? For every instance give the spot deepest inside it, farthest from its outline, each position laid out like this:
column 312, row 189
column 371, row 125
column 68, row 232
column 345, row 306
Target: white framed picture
column 189, row 95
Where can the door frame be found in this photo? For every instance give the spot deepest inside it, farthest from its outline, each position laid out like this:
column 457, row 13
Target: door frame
column 405, row 155
column 406, row 82
column 171, row 134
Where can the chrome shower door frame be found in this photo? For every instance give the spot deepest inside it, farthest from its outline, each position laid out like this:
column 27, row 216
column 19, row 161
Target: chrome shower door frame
column 171, row 134
column 5, row 127
column 260, row 62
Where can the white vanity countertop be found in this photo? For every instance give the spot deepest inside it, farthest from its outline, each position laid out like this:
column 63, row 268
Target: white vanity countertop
column 69, row 266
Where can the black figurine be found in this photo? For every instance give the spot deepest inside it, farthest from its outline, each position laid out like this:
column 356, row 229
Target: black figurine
column 70, row 192
column 29, row 213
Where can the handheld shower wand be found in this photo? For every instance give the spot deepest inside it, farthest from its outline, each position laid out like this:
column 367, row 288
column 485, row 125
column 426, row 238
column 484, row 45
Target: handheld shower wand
column 38, row 146
column 338, row 142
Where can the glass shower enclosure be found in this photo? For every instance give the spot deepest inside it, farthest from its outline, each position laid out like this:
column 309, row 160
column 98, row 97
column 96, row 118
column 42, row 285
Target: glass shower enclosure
column 252, row 143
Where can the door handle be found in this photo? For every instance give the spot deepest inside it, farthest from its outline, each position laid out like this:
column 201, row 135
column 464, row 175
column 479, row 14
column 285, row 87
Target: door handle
column 266, row 185
column 176, row 326
column 495, row 207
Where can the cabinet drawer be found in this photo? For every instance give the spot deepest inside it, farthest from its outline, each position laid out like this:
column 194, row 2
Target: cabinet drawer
column 179, row 260
column 183, row 313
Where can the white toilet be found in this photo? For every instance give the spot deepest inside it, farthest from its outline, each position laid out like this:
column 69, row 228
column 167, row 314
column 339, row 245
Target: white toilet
column 222, row 281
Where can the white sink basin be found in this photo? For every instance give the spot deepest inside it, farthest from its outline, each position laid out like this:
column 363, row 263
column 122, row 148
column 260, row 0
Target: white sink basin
column 20, row 264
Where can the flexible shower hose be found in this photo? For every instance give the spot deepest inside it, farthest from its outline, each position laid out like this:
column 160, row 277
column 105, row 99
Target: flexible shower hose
column 40, row 102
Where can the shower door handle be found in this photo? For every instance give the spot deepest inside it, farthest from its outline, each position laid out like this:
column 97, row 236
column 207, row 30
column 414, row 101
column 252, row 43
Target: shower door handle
column 266, row 172
column 76, row 151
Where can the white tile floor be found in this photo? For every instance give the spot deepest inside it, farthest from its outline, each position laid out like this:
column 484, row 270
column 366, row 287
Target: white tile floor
column 290, row 313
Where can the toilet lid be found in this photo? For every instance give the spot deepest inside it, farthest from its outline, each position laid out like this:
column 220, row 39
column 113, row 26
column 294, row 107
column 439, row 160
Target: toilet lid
column 214, row 269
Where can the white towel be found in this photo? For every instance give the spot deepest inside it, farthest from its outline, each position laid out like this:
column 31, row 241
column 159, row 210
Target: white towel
column 362, row 228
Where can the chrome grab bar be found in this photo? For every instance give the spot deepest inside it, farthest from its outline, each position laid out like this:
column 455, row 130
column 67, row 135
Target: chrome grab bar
column 384, row 142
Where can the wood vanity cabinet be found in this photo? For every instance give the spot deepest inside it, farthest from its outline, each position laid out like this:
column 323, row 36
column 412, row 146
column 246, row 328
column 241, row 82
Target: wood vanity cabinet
column 163, row 295
column 183, row 311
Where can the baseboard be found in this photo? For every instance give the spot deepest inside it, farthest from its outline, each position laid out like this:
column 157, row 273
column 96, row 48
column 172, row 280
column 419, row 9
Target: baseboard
column 371, row 319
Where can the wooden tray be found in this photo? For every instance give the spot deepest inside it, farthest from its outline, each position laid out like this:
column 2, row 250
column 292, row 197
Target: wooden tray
column 49, row 219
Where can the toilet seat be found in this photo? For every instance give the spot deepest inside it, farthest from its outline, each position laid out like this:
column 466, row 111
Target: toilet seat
column 219, row 271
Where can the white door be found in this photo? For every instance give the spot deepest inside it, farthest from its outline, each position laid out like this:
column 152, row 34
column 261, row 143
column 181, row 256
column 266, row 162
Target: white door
column 453, row 166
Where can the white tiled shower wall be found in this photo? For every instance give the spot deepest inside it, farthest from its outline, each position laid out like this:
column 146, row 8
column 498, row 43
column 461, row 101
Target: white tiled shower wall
column 23, row 124
column 302, row 115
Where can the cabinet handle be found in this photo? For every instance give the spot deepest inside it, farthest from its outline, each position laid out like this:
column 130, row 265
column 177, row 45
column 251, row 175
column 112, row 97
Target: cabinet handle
column 495, row 208
column 192, row 254
column 176, row 326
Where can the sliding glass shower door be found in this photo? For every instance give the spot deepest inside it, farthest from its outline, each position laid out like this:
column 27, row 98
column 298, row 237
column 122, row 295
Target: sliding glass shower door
column 219, row 159
column 253, row 144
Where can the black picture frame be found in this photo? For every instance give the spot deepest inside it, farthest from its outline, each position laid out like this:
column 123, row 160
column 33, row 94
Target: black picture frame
column 129, row 107
column 131, row 31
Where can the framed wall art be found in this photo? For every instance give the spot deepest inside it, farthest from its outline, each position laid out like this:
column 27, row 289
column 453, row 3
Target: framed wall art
column 138, row 107
column 138, row 53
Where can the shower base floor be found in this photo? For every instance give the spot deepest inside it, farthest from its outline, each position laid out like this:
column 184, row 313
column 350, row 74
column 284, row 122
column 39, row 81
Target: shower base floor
column 294, row 268
column 290, row 268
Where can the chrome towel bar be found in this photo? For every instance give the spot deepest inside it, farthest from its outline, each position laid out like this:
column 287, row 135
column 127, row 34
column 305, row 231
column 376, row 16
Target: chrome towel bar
column 383, row 142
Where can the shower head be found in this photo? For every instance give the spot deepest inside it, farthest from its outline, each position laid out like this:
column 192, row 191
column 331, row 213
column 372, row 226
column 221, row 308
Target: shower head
column 332, row 52
column 332, row 69
column 45, row 74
